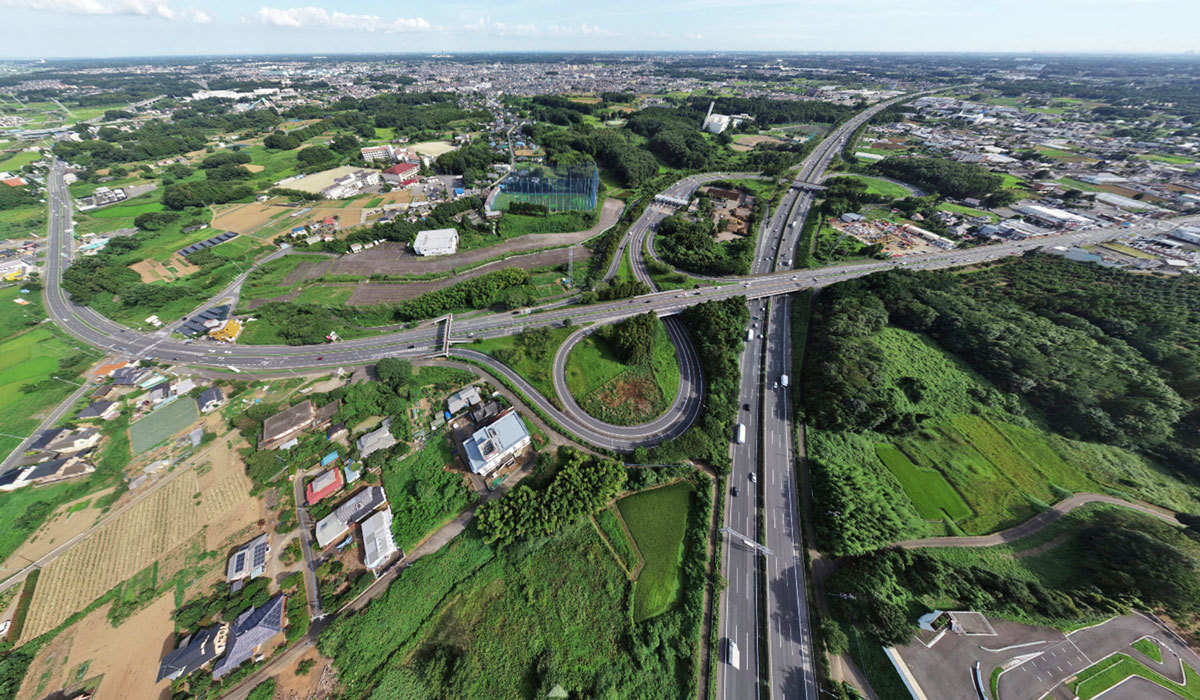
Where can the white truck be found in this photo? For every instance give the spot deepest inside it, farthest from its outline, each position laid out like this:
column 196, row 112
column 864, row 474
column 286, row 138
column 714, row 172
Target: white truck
column 733, row 656
column 749, row 334
column 741, row 434
column 783, row 380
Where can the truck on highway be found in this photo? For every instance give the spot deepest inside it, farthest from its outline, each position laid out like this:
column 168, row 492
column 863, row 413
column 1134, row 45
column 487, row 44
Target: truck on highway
column 741, row 433
column 733, row 656
column 783, row 380
column 749, row 334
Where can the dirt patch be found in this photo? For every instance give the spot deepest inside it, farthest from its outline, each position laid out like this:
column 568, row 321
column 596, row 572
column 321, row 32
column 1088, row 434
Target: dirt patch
column 638, row 392
column 320, row 681
column 432, row 148
column 151, row 271
column 301, row 272
column 368, row 293
column 254, row 167
column 748, row 143
column 127, row 656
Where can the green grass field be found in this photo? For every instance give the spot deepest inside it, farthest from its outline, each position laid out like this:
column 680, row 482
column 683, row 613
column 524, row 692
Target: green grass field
column 1105, row 674
column 17, row 317
column 534, row 368
column 29, row 358
column 139, row 583
column 1063, row 155
column 979, row 452
column 423, row 493
column 967, row 211
column 23, row 222
column 117, row 211
column 933, row 496
column 607, row 521
column 1072, row 183
column 657, row 520
column 12, row 161
column 161, row 425
column 1149, row 648
column 619, row 393
column 880, row 187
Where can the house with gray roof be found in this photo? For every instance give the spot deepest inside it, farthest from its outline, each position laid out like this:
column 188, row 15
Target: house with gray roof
column 378, row 439
column 378, row 545
column 249, row 632
column 497, row 444
column 194, row 652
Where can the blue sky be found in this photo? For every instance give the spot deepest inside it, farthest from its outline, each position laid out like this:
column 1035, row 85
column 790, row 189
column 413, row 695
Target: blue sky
column 57, row 28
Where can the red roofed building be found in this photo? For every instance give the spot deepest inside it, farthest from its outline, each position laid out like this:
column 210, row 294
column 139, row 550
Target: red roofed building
column 325, row 484
column 402, row 174
column 14, row 182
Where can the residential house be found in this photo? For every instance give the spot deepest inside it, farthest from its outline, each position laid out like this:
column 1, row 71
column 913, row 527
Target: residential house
column 463, row 399
column 378, row 439
column 106, row 410
column 248, row 560
column 495, row 445
column 74, row 441
column 194, row 652
column 378, row 545
column 287, row 424
column 210, row 400
column 249, row 632
column 325, row 484
column 353, row 510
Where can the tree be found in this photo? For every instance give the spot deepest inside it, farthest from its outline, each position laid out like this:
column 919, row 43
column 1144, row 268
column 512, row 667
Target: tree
column 314, row 155
column 394, row 372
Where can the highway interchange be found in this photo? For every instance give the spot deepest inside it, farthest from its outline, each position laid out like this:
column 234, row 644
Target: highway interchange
column 763, row 468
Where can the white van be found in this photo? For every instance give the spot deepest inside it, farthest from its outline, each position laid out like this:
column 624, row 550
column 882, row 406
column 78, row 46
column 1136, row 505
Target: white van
column 741, row 434
column 783, row 379
column 733, row 656
column 749, row 334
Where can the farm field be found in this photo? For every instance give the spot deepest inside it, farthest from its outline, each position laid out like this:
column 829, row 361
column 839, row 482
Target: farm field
column 12, row 161
column 619, row 393
column 1063, row 155
column 657, row 519
column 23, row 222
column 609, row 524
column 1164, row 158
column 161, row 425
column 126, row 656
column 423, row 492
column 150, row 529
column 19, row 546
column 29, row 358
column 117, row 211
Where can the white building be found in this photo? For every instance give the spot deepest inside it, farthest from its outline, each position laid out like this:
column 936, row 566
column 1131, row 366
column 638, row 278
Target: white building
column 442, row 241
column 378, row 545
column 494, row 445
column 1051, row 216
column 375, row 154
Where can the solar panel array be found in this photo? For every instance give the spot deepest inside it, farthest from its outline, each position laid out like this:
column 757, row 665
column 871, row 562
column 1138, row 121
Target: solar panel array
column 202, row 245
column 260, row 555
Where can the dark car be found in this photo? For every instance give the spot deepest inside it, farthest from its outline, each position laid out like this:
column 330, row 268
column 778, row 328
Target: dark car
column 735, row 491
column 745, row 407
column 322, row 357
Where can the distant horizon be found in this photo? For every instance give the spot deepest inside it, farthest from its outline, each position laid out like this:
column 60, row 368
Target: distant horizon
column 98, row 29
column 1191, row 53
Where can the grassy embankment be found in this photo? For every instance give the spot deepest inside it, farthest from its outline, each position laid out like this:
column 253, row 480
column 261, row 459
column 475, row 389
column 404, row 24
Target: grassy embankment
column 620, row 393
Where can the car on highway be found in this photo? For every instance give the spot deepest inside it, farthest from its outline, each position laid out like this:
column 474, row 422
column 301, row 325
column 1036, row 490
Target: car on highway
column 745, row 407
column 753, row 478
column 735, row 491
column 322, row 357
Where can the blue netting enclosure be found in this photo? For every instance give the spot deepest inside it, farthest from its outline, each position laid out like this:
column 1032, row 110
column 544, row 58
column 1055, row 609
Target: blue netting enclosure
column 559, row 188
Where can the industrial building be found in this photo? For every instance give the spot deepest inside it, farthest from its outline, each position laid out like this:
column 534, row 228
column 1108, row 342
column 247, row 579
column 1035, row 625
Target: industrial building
column 378, row 545
column 442, row 241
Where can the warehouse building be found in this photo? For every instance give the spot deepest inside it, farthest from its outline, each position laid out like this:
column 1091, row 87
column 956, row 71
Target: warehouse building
column 442, row 241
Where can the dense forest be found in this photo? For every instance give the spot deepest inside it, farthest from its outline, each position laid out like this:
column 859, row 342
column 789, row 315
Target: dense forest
column 946, row 177
column 1076, row 341
column 690, row 245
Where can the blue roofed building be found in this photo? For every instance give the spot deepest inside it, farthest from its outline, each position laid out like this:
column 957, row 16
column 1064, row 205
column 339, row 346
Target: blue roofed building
column 496, row 444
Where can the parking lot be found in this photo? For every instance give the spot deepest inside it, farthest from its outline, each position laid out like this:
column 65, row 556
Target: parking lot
column 1039, row 661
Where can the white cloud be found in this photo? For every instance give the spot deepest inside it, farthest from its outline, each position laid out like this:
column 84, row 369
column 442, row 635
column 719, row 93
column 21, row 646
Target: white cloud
column 320, row 18
column 486, row 26
column 140, row 8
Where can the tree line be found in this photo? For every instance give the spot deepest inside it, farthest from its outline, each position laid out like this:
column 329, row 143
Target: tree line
column 582, row 486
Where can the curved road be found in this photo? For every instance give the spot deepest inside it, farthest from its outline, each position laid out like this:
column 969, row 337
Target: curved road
column 1039, row 522
column 684, row 409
